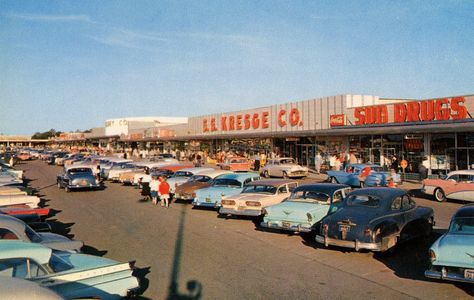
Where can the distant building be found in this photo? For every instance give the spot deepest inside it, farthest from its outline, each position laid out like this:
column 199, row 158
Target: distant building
column 125, row 126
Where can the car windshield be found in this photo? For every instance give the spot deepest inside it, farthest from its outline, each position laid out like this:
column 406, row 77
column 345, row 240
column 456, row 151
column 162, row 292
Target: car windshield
column 309, row 196
column 32, row 235
column 464, row 225
column 362, row 200
column 226, row 182
column 200, row 178
column 182, row 174
column 287, row 161
column 260, row 189
column 128, row 166
column 57, row 264
column 80, row 171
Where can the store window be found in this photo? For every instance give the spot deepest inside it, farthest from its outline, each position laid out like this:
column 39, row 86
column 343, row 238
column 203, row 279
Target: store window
column 443, row 153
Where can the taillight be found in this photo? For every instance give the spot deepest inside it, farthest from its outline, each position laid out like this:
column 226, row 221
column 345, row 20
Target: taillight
column 228, row 202
column 432, row 256
column 252, row 203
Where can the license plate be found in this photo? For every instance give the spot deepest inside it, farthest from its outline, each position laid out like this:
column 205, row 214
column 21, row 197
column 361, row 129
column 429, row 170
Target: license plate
column 285, row 224
column 345, row 228
column 469, row 274
column 208, row 199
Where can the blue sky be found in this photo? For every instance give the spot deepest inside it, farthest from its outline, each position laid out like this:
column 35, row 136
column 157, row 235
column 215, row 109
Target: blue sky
column 73, row 64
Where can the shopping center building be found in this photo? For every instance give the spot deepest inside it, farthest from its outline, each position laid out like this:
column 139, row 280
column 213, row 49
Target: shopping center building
column 439, row 131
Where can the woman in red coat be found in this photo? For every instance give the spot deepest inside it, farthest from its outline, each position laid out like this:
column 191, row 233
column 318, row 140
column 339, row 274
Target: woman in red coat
column 164, row 190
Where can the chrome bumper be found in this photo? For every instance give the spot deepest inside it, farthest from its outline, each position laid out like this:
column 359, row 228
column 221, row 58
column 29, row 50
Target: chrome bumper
column 207, row 204
column 447, row 276
column 244, row 212
column 291, row 227
column 183, row 197
column 348, row 244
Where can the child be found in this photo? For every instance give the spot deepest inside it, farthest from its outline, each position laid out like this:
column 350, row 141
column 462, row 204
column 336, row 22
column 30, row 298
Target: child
column 164, row 190
column 154, row 188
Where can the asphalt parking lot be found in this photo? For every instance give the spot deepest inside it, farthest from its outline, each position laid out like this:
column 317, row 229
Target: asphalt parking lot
column 185, row 253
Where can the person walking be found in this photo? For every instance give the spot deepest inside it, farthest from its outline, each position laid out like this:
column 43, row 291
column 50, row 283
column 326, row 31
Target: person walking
column 256, row 165
column 154, row 189
column 164, row 190
column 318, row 161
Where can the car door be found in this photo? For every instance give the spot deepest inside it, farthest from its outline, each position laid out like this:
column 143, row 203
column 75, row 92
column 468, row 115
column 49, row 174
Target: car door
column 465, row 187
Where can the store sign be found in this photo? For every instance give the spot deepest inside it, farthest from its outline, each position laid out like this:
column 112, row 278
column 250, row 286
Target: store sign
column 247, row 121
column 337, row 120
column 416, row 111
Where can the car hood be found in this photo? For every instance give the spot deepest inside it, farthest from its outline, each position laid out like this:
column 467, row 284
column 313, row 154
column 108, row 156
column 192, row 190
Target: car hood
column 297, row 211
column 454, row 250
column 59, row 242
column 191, row 186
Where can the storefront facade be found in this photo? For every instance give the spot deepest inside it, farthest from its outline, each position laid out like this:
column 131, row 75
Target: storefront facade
column 374, row 129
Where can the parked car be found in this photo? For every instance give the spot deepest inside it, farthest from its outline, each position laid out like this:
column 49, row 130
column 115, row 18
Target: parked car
column 76, row 178
column 351, row 175
column 10, row 200
column 24, row 156
column 12, row 190
column 458, row 185
column 9, row 179
column 221, row 186
column 452, row 255
column 236, row 164
column 285, row 167
column 117, row 170
column 22, row 289
column 256, row 196
column 25, row 210
column 12, row 228
column 376, row 219
column 71, row 275
column 107, row 166
column 187, row 190
column 181, row 176
column 305, row 207
column 6, row 169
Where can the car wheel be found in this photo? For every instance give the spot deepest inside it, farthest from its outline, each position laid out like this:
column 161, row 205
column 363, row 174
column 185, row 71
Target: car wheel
column 333, row 180
column 265, row 174
column 285, row 175
column 439, row 195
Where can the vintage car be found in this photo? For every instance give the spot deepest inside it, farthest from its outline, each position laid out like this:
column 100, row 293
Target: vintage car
column 236, row 164
column 12, row 190
column 256, row 196
column 452, row 255
column 9, row 179
column 458, row 185
column 221, row 186
column 351, row 175
column 12, row 228
column 106, row 166
column 285, row 167
column 305, row 207
column 181, row 176
column 165, row 167
column 187, row 190
column 10, row 200
column 76, row 178
column 22, row 289
column 71, row 275
column 375, row 219
column 5, row 169
column 25, row 210
column 23, row 156
column 117, row 170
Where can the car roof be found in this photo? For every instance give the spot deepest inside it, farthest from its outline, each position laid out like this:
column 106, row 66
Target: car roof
column 214, row 173
column 71, row 167
column 326, row 188
column 196, row 170
column 465, row 211
column 272, row 182
column 13, row 223
column 238, row 176
column 380, row 192
column 463, row 172
column 20, row 249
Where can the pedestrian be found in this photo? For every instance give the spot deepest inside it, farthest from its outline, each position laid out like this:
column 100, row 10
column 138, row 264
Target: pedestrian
column 394, row 163
column 256, row 164
column 164, row 190
column 332, row 161
column 98, row 173
column 318, row 160
column 154, row 189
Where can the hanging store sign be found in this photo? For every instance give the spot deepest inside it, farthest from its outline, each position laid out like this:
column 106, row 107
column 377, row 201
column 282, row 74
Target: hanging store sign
column 416, row 111
column 337, row 120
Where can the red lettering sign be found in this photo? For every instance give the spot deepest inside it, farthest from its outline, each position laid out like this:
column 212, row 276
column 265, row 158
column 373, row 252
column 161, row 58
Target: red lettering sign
column 223, row 123
column 294, row 117
column 213, row 124
column 281, row 120
column 247, row 121
column 265, row 120
column 231, row 123
column 239, row 122
column 205, row 128
column 461, row 111
column 371, row 115
column 255, row 121
column 337, row 120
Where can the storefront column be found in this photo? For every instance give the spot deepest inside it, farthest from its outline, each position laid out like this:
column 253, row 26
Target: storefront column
column 427, row 148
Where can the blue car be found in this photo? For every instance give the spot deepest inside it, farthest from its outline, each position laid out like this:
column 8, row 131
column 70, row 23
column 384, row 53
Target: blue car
column 221, row 186
column 452, row 255
column 351, row 175
column 305, row 207
column 70, row 275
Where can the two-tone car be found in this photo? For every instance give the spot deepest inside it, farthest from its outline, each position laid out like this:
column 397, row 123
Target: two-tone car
column 458, row 185
column 77, row 178
column 256, row 196
column 452, row 255
column 187, row 190
column 71, row 275
column 360, row 175
column 305, row 207
column 181, row 176
column 221, row 186
column 285, row 167
column 375, row 219
column 236, row 164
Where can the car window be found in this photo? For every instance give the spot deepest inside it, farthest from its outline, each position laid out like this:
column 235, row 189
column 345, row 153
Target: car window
column 463, row 225
column 396, row 204
column 407, row 203
column 261, row 189
column 57, row 264
column 247, row 181
column 32, row 235
column 362, row 200
column 226, row 182
column 18, row 268
column 464, row 178
column 453, row 177
column 282, row 189
column 309, row 196
column 6, row 234
column 347, row 191
column 337, row 197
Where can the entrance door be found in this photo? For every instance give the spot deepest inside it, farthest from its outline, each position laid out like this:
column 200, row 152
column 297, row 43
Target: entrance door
column 305, row 155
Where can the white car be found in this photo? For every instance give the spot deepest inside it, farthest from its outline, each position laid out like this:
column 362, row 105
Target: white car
column 9, row 200
column 183, row 175
column 285, row 167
